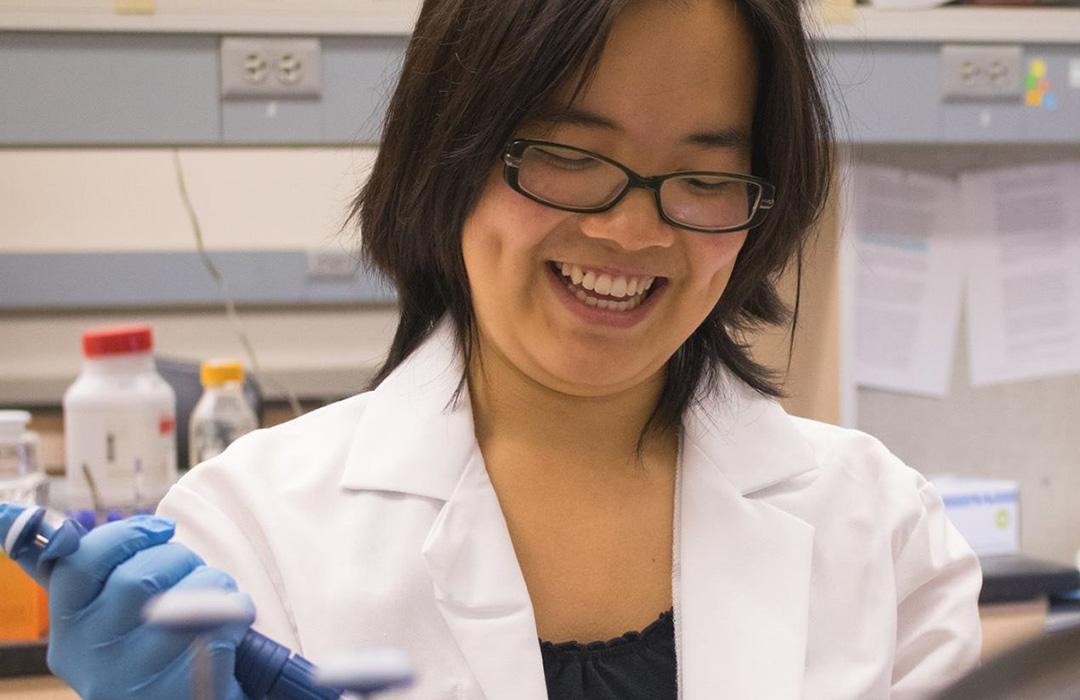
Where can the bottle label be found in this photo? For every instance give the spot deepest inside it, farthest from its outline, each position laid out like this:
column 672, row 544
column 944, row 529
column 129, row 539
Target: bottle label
column 120, row 457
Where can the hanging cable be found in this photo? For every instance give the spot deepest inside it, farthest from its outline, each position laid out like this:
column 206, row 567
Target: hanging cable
column 223, row 287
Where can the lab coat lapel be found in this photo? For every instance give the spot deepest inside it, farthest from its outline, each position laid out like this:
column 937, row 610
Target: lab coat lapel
column 417, row 437
column 416, row 433
column 744, row 566
column 480, row 590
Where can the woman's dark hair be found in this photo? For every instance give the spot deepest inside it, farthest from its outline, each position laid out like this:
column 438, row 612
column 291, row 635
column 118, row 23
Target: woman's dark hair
column 475, row 70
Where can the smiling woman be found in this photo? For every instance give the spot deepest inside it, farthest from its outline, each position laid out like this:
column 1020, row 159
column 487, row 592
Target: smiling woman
column 569, row 479
column 714, row 76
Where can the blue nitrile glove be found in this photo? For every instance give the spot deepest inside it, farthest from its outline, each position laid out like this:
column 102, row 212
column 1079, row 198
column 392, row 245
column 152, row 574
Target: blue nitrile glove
column 98, row 641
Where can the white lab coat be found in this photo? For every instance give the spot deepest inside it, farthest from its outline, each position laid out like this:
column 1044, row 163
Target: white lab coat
column 809, row 562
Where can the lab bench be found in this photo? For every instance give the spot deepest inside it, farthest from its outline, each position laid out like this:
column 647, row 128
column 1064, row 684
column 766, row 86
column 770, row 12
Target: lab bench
column 36, row 688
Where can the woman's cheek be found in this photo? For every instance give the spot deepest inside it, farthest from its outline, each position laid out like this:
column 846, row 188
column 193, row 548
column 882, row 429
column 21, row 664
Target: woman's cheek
column 714, row 255
column 529, row 221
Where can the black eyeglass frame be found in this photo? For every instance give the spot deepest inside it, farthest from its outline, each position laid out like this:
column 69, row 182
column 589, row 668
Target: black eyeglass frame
column 512, row 158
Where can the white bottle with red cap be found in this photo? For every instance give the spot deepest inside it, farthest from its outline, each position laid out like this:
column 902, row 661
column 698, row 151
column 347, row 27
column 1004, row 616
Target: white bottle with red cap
column 119, row 426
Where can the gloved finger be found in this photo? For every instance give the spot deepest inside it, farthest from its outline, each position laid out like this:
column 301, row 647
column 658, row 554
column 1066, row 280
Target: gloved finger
column 148, row 572
column 79, row 577
column 159, row 647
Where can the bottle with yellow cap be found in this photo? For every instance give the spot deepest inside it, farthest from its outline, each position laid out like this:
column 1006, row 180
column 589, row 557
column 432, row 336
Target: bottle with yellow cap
column 222, row 413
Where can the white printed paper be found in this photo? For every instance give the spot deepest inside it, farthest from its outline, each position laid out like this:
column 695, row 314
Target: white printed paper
column 909, row 280
column 1023, row 291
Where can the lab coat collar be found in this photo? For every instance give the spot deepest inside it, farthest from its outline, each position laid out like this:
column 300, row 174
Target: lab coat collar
column 754, row 441
column 743, row 567
column 416, row 434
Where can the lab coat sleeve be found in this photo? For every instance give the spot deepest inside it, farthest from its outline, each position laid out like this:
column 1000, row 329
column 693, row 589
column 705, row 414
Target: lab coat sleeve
column 211, row 519
column 938, row 635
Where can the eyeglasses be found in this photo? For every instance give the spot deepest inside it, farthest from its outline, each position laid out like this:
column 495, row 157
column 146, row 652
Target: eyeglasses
column 573, row 179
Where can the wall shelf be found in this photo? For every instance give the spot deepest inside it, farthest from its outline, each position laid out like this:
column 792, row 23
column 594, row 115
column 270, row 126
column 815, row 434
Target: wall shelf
column 1048, row 25
column 396, row 18
column 298, row 17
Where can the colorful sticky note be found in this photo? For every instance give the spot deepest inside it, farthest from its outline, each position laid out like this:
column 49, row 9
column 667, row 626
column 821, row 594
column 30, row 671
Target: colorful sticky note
column 1034, row 98
column 1050, row 101
column 1031, row 82
column 1038, row 68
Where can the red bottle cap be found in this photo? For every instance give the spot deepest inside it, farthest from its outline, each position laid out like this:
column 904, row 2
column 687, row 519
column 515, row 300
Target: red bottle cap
column 117, row 340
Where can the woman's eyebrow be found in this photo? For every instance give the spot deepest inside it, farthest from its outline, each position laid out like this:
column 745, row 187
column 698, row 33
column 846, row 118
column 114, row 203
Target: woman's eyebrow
column 575, row 116
column 725, row 137
column 719, row 138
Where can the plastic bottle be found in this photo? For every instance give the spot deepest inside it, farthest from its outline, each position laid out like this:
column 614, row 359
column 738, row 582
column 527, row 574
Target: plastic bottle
column 222, row 413
column 22, row 475
column 24, row 607
column 119, row 426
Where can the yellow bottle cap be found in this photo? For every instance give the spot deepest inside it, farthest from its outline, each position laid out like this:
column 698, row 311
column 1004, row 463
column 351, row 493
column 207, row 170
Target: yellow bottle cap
column 217, row 372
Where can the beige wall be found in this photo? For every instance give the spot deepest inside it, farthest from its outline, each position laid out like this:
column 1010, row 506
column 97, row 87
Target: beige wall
column 127, row 199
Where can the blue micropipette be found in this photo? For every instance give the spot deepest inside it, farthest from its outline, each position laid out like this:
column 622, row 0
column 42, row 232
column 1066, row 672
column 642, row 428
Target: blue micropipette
column 264, row 668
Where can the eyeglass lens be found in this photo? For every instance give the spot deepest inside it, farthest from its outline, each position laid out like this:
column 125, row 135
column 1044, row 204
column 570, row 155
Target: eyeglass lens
column 570, row 178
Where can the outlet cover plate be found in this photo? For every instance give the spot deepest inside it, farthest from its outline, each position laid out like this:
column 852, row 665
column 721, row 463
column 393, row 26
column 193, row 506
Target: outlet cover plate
column 270, row 68
column 982, row 72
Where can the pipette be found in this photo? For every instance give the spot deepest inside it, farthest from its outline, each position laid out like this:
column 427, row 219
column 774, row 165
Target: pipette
column 265, row 669
column 367, row 672
column 198, row 612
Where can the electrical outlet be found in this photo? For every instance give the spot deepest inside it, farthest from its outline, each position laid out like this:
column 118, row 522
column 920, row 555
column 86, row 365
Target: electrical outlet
column 981, row 72
column 270, row 68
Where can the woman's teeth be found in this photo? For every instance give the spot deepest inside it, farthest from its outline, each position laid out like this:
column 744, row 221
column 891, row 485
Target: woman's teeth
column 580, row 282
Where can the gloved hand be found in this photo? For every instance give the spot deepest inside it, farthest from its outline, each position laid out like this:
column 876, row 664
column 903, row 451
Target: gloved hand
column 98, row 641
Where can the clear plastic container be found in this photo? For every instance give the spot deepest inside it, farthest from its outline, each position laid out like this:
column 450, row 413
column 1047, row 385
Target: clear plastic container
column 22, row 475
column 222, row 413
column 119, row 427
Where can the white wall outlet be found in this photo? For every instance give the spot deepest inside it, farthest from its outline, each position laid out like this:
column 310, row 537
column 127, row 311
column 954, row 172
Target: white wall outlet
column 327, row 263
column 982, row 72
column 270, row 68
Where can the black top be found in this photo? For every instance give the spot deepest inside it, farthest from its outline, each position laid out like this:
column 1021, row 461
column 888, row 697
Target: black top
column 635, row 665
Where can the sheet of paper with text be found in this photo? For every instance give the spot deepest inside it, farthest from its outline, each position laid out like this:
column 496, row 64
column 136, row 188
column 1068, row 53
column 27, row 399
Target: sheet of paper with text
column 910, row 272
column 1023, row 289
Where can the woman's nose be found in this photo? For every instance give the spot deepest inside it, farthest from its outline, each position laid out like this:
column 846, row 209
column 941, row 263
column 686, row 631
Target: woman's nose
column 632, row 224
